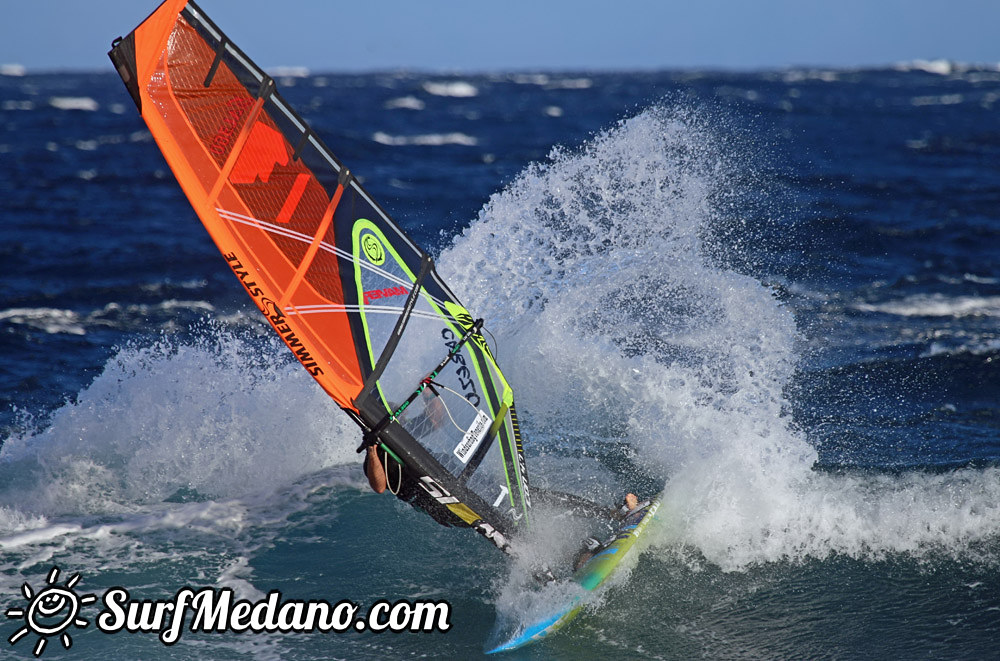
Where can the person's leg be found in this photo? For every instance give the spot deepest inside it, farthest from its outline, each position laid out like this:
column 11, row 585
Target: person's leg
column 374, row 470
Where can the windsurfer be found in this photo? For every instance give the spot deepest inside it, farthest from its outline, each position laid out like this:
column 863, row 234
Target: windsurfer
column 374, row 466
column 385, row 472
column 430, row 419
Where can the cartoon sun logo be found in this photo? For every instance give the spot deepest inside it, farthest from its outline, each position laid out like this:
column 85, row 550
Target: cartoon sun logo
column 51, row 611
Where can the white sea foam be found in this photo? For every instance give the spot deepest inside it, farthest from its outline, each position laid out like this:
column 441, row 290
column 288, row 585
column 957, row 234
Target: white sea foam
column 195, row 452
column 529, row 78
column 972, row 72
column 940, row 67
column 975, row 347
column 594, row 267
column 792, row 76
column 213, row 538
column 73, row 103
column 937, row 305
column 13, row 521
column 49, row 320
column 458, row 89
column 405, row 103
column 426, row 140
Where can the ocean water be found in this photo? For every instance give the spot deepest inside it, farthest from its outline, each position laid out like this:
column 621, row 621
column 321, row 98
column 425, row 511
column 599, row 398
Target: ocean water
column 777, row 293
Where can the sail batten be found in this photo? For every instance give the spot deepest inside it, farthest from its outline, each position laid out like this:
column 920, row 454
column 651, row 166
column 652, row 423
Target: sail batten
column 355, row 299
column 237, row 149
column 307, row 260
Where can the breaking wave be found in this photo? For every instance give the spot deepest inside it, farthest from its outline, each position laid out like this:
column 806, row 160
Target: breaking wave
column 639, row 350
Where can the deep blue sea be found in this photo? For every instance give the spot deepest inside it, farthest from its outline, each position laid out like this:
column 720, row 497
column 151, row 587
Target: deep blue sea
column 776, row 292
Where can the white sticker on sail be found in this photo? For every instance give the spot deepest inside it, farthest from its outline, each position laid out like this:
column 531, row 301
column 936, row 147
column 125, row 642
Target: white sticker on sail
column 474, row 435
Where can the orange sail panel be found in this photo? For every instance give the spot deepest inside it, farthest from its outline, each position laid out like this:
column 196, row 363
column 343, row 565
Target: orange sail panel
column 265, row 208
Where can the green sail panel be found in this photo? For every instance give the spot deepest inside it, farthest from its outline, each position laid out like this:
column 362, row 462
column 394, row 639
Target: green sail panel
column 462, row 432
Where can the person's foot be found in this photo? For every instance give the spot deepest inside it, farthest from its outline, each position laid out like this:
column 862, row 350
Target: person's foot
column 590, row 546
column 628, row 506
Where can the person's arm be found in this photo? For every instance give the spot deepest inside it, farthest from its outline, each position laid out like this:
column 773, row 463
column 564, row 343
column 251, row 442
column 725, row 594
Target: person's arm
column 374, row 470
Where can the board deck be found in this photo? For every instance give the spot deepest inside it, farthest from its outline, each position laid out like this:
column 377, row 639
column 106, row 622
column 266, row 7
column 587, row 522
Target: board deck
column 590, row 576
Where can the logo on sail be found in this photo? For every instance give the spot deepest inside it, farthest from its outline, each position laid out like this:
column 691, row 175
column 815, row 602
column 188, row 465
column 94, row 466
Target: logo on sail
column 389, row 292
column 373, row 249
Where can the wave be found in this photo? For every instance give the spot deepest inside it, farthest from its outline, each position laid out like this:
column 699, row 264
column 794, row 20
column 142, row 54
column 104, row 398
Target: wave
column 199, row 454
column 974, row 347
column 937, row 305
column 569, row 84
column 548, row 80
column 49, row 320
column 944, row 67
column 636, row 351
column 113, row 315
column 405, row 103
column 288, row 72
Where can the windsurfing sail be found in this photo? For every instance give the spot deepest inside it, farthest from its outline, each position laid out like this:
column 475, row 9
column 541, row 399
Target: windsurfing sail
column 358, row 302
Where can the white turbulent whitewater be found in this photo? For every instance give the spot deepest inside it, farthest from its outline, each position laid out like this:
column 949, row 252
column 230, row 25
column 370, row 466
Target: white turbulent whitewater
column 167, row 417
column 195, row 419
column 610, row 314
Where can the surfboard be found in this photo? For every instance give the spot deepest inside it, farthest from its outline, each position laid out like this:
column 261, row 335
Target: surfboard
column 590, row 576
